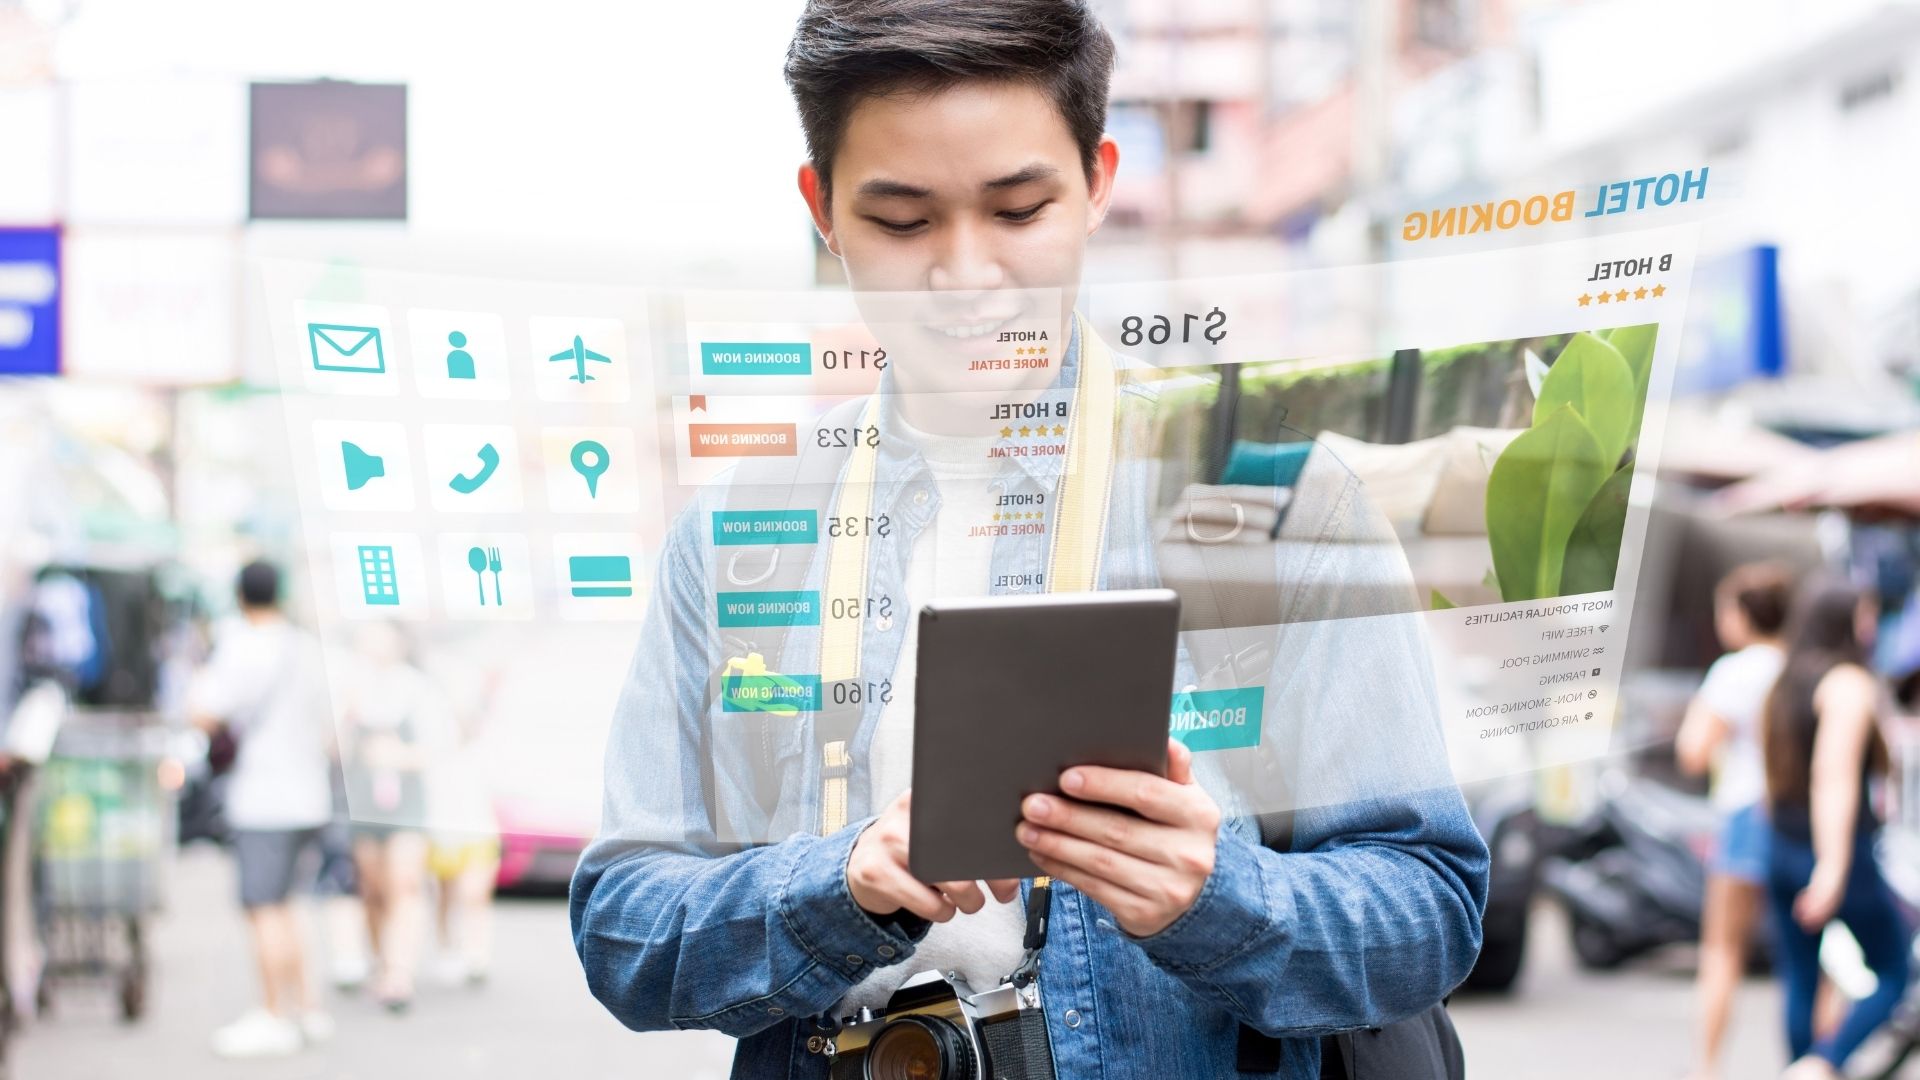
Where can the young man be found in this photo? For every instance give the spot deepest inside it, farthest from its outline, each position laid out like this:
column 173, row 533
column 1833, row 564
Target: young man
column 957, row 167
column 261, row 685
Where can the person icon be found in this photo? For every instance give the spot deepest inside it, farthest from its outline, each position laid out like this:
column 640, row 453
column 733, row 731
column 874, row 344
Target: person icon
column 459, row 361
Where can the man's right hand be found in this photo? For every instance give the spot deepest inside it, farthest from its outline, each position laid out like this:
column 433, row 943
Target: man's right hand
column 881, row 884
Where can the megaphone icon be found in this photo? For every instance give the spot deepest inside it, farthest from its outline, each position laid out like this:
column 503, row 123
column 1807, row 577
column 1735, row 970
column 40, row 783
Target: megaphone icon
column 361, row 466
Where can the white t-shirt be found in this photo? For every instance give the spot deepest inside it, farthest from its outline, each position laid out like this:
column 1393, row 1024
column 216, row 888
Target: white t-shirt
column 1736, row 688
column 946, row 563
column 264, row 679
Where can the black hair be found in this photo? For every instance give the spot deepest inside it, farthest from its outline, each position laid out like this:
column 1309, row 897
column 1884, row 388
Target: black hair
column 846, row 50
column 1821, row 635
column 259, row 584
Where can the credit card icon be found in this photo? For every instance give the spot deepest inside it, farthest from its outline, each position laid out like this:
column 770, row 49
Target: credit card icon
column 600, row 575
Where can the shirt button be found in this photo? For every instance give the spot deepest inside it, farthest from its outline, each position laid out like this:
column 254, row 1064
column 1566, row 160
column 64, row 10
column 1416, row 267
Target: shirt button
column 885, row 951
column 920, row 497
column 883, row 624
column 775, row 1010
column 1072, row 1017
column 855, row 960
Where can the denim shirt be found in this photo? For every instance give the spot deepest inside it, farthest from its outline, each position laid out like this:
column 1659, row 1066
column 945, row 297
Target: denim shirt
column 707, row 901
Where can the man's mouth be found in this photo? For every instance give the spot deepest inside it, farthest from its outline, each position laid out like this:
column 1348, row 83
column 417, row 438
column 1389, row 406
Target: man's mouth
column 975, row 329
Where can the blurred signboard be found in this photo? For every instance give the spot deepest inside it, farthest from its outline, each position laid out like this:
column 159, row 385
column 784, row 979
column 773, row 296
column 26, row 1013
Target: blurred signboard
column 1734, row 328
column 328, row 150
column 30, row 301
column 152, row 306
column 29, row 124
column 156, row 151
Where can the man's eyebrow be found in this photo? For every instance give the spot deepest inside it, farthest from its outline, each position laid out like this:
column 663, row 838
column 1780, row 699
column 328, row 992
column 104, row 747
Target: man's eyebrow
column 1035, row 171
column 892, row 189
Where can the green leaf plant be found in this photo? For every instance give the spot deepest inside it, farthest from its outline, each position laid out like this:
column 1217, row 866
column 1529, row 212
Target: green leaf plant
column 1557, row 496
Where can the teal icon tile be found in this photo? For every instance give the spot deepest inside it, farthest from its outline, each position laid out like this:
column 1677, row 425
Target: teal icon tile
column 459, row 360
column 340, row 347
column 470, row 482
column 483, row 561
column 590, row 460
column 378, row 586
column 579, row 356
column 360, row 465
column 600, row 575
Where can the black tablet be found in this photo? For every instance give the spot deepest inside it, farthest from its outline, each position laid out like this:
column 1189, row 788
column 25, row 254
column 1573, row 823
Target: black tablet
column 1012, row 690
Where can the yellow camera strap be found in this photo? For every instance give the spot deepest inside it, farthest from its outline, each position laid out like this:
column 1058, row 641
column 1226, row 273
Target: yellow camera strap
column 1073, row 561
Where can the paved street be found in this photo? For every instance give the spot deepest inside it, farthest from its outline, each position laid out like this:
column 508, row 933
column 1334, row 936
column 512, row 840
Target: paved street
column 535, row 1019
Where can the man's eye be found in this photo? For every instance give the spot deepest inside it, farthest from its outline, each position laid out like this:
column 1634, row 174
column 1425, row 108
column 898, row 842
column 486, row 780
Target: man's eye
column 1023, row 215
column 898, row 226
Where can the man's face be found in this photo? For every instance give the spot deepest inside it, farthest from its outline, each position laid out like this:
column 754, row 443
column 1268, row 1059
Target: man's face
column 974, row 200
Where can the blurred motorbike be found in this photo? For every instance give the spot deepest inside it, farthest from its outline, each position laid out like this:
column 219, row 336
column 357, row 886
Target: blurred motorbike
column 1633, row 875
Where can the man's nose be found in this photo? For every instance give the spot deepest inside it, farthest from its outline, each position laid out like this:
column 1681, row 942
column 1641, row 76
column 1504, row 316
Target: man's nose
column 965, row 261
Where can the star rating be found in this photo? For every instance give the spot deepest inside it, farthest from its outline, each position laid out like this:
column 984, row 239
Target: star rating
column 1059, row 429
column 1621, row 296
column 1006, row 433
column 1015, row 515
column 1025, row 431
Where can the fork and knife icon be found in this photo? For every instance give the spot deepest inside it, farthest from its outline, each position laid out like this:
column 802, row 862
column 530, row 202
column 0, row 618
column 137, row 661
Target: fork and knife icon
column 480, row 561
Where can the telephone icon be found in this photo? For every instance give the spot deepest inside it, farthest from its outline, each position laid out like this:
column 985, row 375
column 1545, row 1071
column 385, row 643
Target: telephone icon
column 468, row 484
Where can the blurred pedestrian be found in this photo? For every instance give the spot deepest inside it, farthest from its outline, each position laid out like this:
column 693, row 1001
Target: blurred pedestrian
column 1822, row 744
column 463, row 852
column 1721, row 733
column 394, row 726
column 261, row 693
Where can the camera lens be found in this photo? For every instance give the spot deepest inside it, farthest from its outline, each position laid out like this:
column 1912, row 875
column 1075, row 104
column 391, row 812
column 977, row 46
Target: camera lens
column 919, row 1048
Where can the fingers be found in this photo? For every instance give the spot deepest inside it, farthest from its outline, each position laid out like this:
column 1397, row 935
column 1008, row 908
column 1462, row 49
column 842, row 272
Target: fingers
column 1095, row 859
column 1133, row 910
column 965, row 895
column 910, row 893
column 1153, row 797
column 1005, row 890
column 1179, row 762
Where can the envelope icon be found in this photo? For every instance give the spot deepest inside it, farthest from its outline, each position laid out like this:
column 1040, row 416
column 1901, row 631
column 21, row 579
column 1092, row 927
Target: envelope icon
column 337, row 347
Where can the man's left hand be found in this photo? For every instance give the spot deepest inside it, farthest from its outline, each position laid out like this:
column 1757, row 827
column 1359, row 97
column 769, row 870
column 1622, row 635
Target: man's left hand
column 1146, row 869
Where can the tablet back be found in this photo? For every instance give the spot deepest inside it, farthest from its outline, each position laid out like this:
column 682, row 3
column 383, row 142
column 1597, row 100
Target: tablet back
column 1011, row 691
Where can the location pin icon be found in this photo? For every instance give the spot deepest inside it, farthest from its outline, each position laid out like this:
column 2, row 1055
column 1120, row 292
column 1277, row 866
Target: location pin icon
column 590, row 460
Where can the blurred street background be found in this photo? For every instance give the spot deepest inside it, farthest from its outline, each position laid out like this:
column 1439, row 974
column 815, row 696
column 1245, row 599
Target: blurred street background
column 144, row 161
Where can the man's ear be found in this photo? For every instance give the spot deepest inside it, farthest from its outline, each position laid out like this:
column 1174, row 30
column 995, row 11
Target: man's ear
column 814, row 190
column 1106, row 162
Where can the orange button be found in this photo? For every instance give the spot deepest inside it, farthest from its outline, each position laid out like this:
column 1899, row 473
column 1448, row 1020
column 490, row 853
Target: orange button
column 741, row 440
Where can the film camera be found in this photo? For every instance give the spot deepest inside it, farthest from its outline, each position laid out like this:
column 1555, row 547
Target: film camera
column 936, row 1028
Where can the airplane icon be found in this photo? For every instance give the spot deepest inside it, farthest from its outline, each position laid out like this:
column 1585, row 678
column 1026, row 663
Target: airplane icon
column 579, row 354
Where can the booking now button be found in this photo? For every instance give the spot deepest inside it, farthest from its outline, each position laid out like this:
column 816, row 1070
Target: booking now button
column 742, row 440
column 780, row 694
column 756, row 357
column 1217, row 719
column 769, row 609
column 737, row 527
